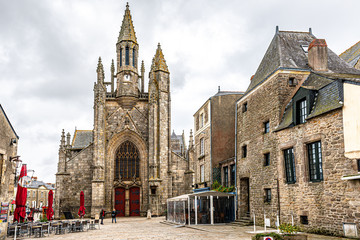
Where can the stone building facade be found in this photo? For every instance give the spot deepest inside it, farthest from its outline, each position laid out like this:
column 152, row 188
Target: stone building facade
column 8, row 151
column 294, row 152
column 126, row 161
column 214, row 148
column 38, row 193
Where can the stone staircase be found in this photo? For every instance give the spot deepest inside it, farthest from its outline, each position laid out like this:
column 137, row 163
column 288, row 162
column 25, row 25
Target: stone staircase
column 243, row 221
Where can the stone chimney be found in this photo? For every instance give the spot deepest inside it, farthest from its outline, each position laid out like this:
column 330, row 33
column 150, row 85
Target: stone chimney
column 318, row 55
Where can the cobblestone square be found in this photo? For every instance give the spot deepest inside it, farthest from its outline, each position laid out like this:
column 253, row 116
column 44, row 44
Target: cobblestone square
column 142, row 228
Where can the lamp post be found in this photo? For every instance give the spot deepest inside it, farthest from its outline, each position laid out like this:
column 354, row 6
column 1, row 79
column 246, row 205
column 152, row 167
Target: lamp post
column 32, row 174
column 17, row 162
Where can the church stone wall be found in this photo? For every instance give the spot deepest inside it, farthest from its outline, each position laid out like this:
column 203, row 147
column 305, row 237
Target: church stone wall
column 77, row 179
column 179, row 168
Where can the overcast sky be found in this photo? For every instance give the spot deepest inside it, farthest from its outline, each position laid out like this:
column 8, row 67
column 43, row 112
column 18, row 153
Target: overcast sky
column 49, row 51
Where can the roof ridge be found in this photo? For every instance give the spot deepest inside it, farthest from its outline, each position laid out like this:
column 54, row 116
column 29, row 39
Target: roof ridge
column 350, row 48
column 7, row 119
column 293, row 32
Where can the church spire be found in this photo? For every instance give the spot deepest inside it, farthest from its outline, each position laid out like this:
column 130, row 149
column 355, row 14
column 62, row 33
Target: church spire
column 159, row 62
column 127, row 32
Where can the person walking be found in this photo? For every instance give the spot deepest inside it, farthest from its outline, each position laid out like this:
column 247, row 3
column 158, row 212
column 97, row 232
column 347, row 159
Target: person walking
column 102, row 215
column 113, row 216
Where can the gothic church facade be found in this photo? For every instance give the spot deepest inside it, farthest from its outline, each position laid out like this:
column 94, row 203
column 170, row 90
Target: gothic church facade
column 126, row 161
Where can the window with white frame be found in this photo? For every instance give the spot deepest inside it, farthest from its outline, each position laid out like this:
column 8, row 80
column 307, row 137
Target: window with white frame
column 202, row 147
column 202, row 173
column 201, row 120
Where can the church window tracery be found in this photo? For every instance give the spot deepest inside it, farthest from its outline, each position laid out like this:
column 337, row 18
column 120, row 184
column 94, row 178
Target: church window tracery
column 127, row 162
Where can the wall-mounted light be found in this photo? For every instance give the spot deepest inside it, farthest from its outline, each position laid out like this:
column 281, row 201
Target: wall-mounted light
column 16, row 160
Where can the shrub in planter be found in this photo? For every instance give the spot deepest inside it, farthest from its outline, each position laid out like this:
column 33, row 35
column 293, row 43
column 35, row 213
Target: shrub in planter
column 261, row 236
column 290, row 232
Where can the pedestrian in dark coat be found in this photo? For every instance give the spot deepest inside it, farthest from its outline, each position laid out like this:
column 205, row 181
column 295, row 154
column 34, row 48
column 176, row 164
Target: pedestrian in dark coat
column 113, row 216
column 102, row 215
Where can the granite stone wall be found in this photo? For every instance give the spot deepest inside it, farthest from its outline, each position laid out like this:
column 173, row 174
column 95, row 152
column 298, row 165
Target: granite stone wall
column 326, row 204
column 7, row 150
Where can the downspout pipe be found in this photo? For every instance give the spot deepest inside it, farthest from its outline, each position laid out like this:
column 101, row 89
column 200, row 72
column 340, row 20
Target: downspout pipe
column 236, row 192
column 211, row 166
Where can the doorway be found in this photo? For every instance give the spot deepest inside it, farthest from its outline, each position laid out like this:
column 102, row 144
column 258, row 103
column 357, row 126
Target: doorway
column 244, row 197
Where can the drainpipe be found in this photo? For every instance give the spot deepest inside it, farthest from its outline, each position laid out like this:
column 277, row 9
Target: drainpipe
column 211, row 166
column 278, row 196
column 235, row 159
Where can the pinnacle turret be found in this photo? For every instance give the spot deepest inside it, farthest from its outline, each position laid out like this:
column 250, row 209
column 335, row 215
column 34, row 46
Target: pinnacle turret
column 100, row 65
column 127, row 31
column 62, row 141
column 100, row 71
column 159, row 62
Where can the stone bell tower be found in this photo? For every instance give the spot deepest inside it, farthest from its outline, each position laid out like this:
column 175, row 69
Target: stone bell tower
column 127, row 50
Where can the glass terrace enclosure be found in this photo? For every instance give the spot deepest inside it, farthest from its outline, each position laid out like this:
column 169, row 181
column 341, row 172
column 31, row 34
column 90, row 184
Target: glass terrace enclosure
column 209, row 207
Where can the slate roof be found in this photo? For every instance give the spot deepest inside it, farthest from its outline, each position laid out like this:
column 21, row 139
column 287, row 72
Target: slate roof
column 82, row 139
column 287, row 119
column 37, row 184
column 223, row 93
column 327, row 99
column 352, row 55
column 7, row 119
column 315, row 82
column 286, row 52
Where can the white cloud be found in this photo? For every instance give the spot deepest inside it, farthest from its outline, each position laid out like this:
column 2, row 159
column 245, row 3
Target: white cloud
column 49, row 52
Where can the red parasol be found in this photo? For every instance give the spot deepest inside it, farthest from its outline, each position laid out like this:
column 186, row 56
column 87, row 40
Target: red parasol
column 50, row 211
column 81, row 212
column 21, row 195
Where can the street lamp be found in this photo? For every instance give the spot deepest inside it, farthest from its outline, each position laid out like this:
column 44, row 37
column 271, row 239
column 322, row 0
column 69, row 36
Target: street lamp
column 32, row 174
column 16, row 160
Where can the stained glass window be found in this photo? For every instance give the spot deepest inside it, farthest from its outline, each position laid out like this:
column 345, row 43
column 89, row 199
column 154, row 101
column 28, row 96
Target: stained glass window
column 127, row 164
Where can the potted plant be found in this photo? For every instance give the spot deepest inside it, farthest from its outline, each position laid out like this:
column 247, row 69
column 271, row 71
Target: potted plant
column 262, row 236
column 290, row 232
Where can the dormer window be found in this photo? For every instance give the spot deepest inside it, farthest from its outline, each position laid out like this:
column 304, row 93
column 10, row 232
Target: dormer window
column 305, row 48
column 301, row 111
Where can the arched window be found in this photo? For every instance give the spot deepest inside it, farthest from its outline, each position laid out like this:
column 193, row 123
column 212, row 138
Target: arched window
column 127, row 56
column 127, row 161
column 120, row 56
column 134, row 56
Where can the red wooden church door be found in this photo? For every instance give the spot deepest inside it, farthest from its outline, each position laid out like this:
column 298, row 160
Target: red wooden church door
column 120, row 201
column 134, row 201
